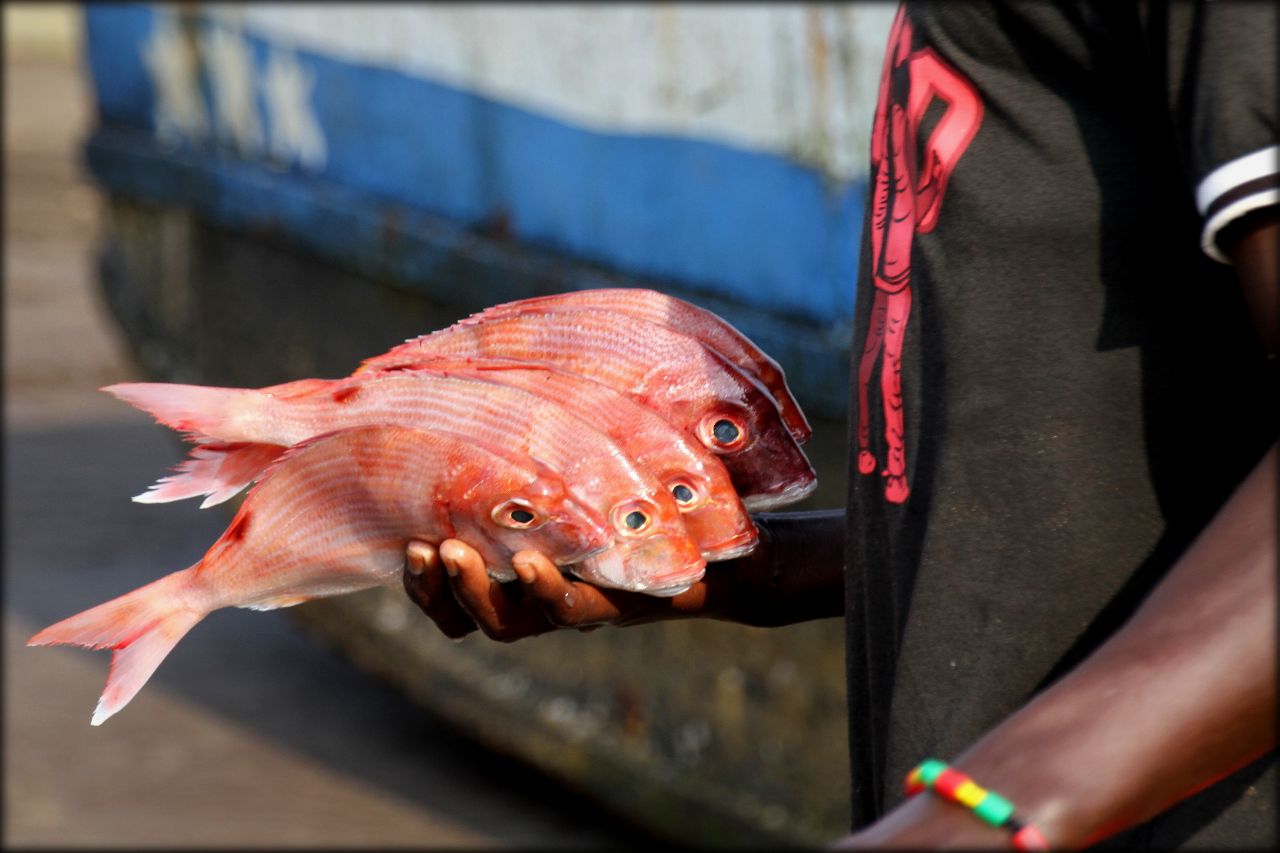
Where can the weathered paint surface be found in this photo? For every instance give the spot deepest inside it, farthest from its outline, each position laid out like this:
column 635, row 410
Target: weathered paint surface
column 716, row 148
column 789, row 79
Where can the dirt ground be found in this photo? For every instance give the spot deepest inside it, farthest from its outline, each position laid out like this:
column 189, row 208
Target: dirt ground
column 250, row 734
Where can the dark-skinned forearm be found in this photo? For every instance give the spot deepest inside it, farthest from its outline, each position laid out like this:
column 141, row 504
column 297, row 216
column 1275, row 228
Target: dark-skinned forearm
column 1184, row 694
column 795, row 574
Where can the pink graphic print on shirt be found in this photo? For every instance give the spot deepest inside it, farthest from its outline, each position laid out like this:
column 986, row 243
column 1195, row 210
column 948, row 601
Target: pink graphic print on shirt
column 910, row 180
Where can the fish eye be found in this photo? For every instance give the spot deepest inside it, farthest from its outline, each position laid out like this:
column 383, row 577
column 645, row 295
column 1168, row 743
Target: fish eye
column 633, row 517
column 723, row 432
column 515, row 514
column 686, row 495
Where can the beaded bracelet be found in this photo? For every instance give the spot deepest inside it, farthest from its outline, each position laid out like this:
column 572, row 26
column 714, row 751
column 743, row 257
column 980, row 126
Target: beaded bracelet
column 992, row 808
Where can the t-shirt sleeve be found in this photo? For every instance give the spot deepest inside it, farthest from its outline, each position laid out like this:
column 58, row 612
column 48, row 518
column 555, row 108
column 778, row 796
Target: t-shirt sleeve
column 1230, row 113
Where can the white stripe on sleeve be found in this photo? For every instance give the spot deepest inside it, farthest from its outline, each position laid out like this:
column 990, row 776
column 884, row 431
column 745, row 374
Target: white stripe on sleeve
column 1233, row 173
column 1230, row 179
column 1238, row 208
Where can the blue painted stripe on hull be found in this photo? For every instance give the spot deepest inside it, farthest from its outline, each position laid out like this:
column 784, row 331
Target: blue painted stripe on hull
column 425, row 253
column 743, row 225
column 113, row 35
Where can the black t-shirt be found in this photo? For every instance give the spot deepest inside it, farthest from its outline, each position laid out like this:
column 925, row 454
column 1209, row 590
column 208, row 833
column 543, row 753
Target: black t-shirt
column 1054, row 385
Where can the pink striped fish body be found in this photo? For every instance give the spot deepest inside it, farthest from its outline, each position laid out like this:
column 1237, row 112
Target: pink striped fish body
column 333, row 516
column 681, row 316
column 654, row 554
column 689, row 384
column 710, row 508
column 697, row 479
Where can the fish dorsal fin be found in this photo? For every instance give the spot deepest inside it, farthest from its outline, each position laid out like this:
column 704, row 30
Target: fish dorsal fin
column 443, row 364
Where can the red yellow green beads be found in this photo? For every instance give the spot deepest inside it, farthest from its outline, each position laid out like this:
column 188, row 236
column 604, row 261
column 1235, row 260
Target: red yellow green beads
column 990, row 807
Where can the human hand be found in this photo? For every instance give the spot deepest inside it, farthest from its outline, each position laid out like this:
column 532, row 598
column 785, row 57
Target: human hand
column 452, row 586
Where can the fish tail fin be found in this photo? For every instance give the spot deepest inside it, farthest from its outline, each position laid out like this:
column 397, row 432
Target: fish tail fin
column 193, row 409
column 140, row 627
column 216, row 469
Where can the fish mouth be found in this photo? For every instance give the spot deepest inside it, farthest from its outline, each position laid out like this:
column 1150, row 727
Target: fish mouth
column 787, row 495
column 674, row 588
column 670, row 591
column 736, row 546
column 646, row 571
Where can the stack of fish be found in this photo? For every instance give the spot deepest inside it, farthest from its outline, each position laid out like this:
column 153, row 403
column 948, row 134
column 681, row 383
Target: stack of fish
column 623, row 433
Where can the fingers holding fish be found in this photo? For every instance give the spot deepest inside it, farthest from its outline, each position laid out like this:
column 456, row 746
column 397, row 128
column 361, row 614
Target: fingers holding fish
column 566, row 603
column 497, row 608
column 427, row 585
column 569, row 603
column 543, row 598
column 501, row 611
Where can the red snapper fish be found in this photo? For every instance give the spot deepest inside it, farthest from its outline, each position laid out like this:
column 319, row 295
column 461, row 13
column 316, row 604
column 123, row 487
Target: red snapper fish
column 333, row 515
column 696, row 478
column 711, row 510
column 686, row 382
column 681, row 316
column 652, row 552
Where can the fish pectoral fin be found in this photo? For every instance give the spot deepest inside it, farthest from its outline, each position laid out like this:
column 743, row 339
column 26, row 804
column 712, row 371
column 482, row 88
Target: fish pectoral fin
column 217, row 469
column 277, row 602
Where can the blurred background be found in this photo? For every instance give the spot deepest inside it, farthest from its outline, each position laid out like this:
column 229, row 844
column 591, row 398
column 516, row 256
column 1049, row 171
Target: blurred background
column 246, row 195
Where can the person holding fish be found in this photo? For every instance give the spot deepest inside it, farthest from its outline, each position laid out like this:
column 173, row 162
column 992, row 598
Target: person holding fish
column 1058, row 582
column 1058, row 576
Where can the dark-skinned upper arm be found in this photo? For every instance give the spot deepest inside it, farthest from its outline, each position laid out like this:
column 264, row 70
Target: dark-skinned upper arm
column 1252, row 243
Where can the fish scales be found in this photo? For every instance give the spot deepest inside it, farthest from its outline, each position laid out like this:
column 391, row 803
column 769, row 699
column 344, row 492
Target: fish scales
column 501, row 415
column 335, row 508
column 638, row 364
column 680, row 315
column 709, row 505
column 686, row 382
column 660, row 558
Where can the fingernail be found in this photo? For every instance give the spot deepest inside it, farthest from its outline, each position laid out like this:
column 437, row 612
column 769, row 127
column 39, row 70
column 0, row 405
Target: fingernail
column 525, row 572
column 450, row 568
column 569, row 599
column 419, row 555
